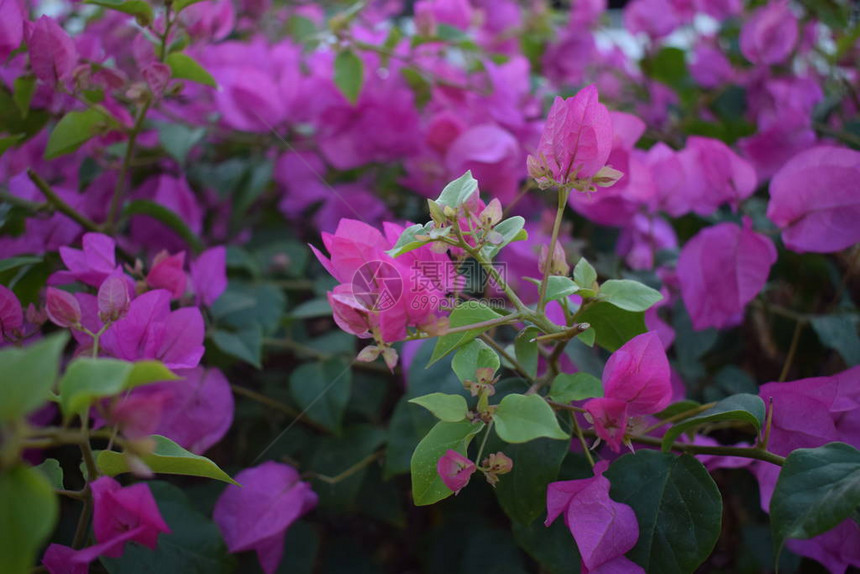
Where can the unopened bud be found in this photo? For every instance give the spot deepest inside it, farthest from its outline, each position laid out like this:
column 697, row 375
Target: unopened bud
column 62, row 308
column 492, row 214
column 558, row 264
column 607, row 176
column 113, row 298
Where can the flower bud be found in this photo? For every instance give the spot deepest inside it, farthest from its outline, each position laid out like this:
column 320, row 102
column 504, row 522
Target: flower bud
column 11, row 314
column 496, row 464
column 113, row 298
column 558, row 264
column 62, row 308
column 455, row 470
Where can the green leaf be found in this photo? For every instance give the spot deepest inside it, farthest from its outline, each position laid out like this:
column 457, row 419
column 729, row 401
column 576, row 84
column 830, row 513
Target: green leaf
column 667, row 66
column 427, row 486
column 629, row 295
column 613, row 326
column 311, row 309
column 184, row 67
column 458, row 191
column 576, row 387
column 521, row 418
column 245, row 345
column 817, row 489
column 322, row 390
column 52, row 470
column 677, row 505
column 34, row 370
column 194, row 544
column 335, row 455
column 180, row 5
column 522, row 492
column 839, row 332
column 137, row 8
column 73, row 130
column 527, row 350
column 349, row 74
column 466, row 313
column 167, row 458
column 28, row 514
column 743, row 407
column 552, row 547
column 87, row 380
column 23, row 90
column 588, row 336
column 416, row 236
column 166, row 216
column 584, row 274
column 560, row 287
column 511, row 230
column 449, row 408
column 406, row 428
column 15, row 262
column 473, row 356
column 8, row 142
column 177, row 139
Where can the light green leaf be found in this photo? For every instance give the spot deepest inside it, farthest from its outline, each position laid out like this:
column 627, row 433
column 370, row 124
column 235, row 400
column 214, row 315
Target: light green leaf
column 576, row 387
column 137, row 8
column 87, row 380
column 521, row 418
column 466, row 313
column 177, row 139
column 34, row 370
column 73, row 130
column 473, row 356
column 678, row 507
column 52, row 470
column 458, row 191
column 416, row 236
column 584, row 274
column 349, row 74
column 817, row 489
column 629, row 295
column 527, row 350
column 560, row 287
column 743, row 407
column 511, row 230
column 427, row 486
column 167, row 458
column 588, row 336
column 28, row 514
column 449, row 408
column 184, row 67
column 180, row 5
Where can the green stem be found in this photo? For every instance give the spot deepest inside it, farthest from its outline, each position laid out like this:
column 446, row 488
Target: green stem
column 61, row 205
column 484, row 443
column 556, row 227
column 275, row 405
column 348, row 472
column 113, row 210
column 792, row 350
column 677, row 417
column 581, row 436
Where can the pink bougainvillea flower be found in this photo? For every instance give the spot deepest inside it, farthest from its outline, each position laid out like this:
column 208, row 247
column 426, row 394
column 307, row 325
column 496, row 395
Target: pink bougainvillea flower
column 11, row 314
column 53, row 55
column 655, row 18
column 814, row 200
column 720, row 270
column 198, row 409
column 209, row 275
column 11, row 27
column 640, row 241
column 138, row 415
column 167, row 273
column 150, row 330
column 714, row 175
column 492, row 154
column 256, row 515
column 91, row 265
column 636, row 381
column 604, row 530
column 62, row 307
column 120, row 515
column 770, row 34
column 576, row 140
column 455, row 13
column 455, row 470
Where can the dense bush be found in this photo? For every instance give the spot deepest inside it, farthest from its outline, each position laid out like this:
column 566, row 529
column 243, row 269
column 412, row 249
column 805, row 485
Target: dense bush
column 279, row 279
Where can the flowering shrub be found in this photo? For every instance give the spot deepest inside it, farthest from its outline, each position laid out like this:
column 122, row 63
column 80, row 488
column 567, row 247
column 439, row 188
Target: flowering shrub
column 612, row 271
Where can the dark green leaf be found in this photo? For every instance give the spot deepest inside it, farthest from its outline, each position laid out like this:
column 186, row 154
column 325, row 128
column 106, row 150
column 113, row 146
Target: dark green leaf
column 522, row 418
column 165, row 216
column 677, row 505
column 336, row 455
column 552, row 547
column 839, row 332
column 34, row 370
column 28, row 513
column 52, row 470
column 613, row 326
column 322, row 391
column 427, row 486
column 407, row 427
column 177, row 139
column 73, row 130
column 15, row 262
column 744, row 408
column 137, row 8
column 349, row 74
column 817, row 489
column 246, row 345
column 24, row 88
column 167, row 458
column 184, row 67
